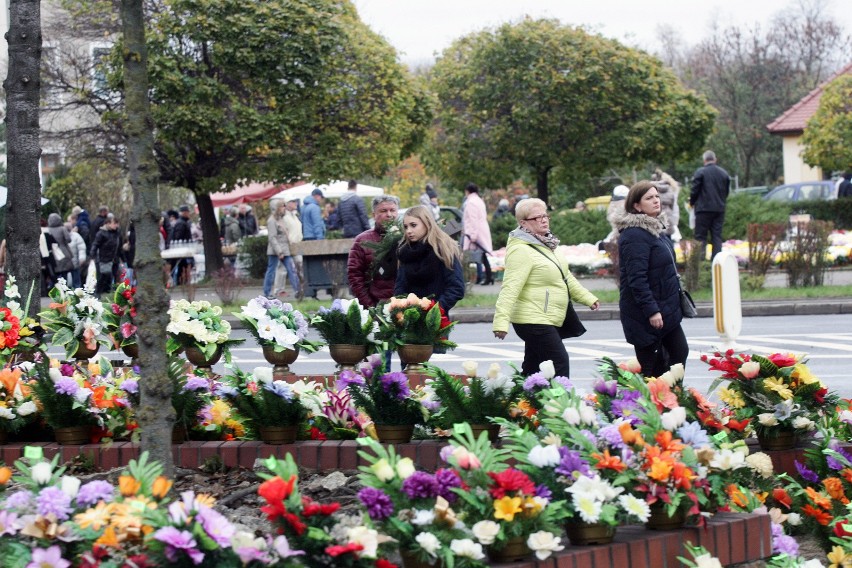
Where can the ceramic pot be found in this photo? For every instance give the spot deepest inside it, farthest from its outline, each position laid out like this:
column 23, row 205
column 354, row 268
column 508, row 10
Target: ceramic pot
column 492, row 429
column 659, row 519
column 196, row 356
column 783, row 440
column 83, row 353
column 179, row 435
column 4, row 437
column 394, row 434
column 277, row 435
column 516, row 550
column 413, row 356
column 72, row 435
column 131, row 351
column 347, row 355
column 281, row 361
column 411, row 560
column 581, row 533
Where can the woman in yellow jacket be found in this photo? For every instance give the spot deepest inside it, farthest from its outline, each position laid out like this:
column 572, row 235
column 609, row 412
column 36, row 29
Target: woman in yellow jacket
column 536, row 288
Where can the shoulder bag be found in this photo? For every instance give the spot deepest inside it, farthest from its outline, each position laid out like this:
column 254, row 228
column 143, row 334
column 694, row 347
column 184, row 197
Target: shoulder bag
column 572, row 326
column 687, row 304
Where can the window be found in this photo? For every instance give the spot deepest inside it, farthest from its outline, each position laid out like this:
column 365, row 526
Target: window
column 51, row 94
column 49, row 163
column 100, row 55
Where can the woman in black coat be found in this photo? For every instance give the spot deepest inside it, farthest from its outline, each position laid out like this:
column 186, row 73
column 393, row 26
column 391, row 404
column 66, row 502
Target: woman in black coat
column 649, row 285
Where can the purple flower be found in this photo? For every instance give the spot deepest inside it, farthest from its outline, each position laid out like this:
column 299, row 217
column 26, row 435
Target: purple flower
column 48, row 557
column 66, row 369
column 196, row 384
column 534, row 381
column 177, row 541
column 20, row 500
column 66, row 385
column 608, row 388
column 130, row 386
column 216, row 526
column 375, row 360
column 611, row 436
column 572, row 464
column 446, row 480
column 445, row 453
column 54, row 500
column 337, row 305
column 226, row 391
column 430, row 404
column 90, row 493
column 379, row 505
column 396, row 385
column 280, row 389
column 8, row 523
column 544, row 492
column 805, row 473
column 626, row 407
column 420, row 485
column 347, row 378
column 783, row 544
column 564, row 382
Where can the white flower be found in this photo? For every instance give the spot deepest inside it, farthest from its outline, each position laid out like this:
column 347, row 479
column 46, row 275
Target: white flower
column 486, row 531
column 429, row 543
column 595, row 487
column 500, row 383
column 767, row 419
column 470, row 368
column 812, row 563
column 571, row 415
column 544, row 456
column 264, row 375
column 382, row 470
column 727, row 459
column 761, row 464
column 587, row 414
column 845, row 416
column 54, row 374
column 794, row 519
column 423, row 517
column 707, row 561
column 803, row 423
column 14, row 306
column 547, row 369
column 82, row 395
column 466, row 548
column 7, row 413
column 544, row 544
column 677, row 371
column 42, row 472
column 588, row 507
column 27, row 408
column 368, row 538
column 70, row 485
column 667, row 378
column 493, row 370
column 405, row 468
column 635, row 506
column 12, row 292
column 286, row 337
column 674, row 418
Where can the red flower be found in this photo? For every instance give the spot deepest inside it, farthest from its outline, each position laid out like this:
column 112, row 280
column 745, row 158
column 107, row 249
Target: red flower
column 707, row 419
column 276, row 489
column 295, row 523
column 352, row 547
column 382, row 563
column 819, row 395
column 841, row 531
column 511, row 480
column 738, row 425
column 317, row 434
column 782, row 497
column 783, row 359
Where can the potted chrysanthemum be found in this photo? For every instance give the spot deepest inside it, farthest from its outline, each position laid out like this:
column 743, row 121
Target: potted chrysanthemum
column 199, row 329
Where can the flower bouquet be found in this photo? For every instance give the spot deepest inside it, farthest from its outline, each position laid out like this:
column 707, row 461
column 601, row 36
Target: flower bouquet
column 199, row 325
column 76, row 318
column 336, row 417
column 776, row 396
column 411, row 320
column 190, row 393
column 17, row 407
column 415, row 508
column 348, row 329
column 119, row 317
column 276, row 325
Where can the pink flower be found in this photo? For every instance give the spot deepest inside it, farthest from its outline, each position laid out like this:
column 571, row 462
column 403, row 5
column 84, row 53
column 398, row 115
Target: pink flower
column 89, row 338
column 127, row 330
column 412, row 300
column 425, row 304
column 631, row 365
column 48, row 557
column 750, row 370
column 466, row 459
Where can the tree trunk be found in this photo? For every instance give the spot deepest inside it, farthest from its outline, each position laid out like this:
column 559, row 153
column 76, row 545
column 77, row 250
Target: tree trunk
column 213, row 260
column 541, row 183
column 22, row 129
column 156, row 414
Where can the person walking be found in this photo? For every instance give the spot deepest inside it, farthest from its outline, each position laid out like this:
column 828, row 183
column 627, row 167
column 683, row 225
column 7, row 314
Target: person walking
column 373, row 281
column 313, row 226
column 429, row 200
column 278, row 249
column 710, row 187
column 648, row 283
column 537, row 289
column 353, row 214
column 182, row 236
column 477, row 233
column 79, row 253
column 293, row 226
column 62, row 251
column 106, row 252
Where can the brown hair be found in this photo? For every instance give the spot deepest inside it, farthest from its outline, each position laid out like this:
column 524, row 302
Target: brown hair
column 445, row 247
column 636, row 193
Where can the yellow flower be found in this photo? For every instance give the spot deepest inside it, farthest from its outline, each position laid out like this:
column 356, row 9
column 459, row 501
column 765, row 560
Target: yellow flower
column 95, row 517
column 220, row 412
column 731, row 397
column 108, row 539
column 506, row 508
column 161, row 487
column 236, row 426
column 838, row 558
column 94, row 368
column 128, row 485
column 777, row 384
column 803, row 374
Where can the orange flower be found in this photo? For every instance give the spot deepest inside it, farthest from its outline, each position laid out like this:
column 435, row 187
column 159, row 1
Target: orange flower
column 818, row 498
column 108, row 539
column 821, row 517
column 161, row 487
column 128, row 485
column 668, row 442
column 10, row 378
column 782, row 497
column 834, row 487
column 5, row 475
column 682, row 475
column 630, row 436
column 660, row 470
column 661, row 395
column 736, row 495
column 846, row 474
column 606, row 461
column 59, row 307
column 98, row 396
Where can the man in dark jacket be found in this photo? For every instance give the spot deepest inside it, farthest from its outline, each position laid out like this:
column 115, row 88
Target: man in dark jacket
column 845, row 187
column 84, row 225
column 247, row 221
column 182, row 233
column 99, row 220
column 106, row 252
column 353, row 214
column 710, row 186
column 372, row 284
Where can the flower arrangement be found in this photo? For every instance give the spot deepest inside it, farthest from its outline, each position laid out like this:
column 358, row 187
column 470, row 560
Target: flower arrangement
column 120, row 323
column 413, row 320
column 770, row 394
column 276, row 324
column 477, row 400
column 346, row 322
column 17, row 407
column 336, row 417
column 264, row 401
column 76, row 317
column 386, row 398
column 199, row 325
column 21, row 338
column 191, row 391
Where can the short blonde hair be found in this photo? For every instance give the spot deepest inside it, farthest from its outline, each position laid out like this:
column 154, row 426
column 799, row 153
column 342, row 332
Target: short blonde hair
column 523, row 207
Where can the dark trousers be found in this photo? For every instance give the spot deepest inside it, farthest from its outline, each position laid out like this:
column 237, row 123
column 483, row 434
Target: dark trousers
column 658, row 357
column 542, row 343
column 711, row 222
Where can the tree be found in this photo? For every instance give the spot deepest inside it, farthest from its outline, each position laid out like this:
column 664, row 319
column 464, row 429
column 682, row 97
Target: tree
column 156, row 415
column 536, row 95
column 22, row 97
column 828, row 136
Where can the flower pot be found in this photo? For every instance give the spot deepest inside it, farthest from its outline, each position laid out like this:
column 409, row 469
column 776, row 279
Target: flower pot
column 179, row 435
column 516, row 550
column 277, row 435
column 394, row 434
column 72, row 435
column 280, row 360
column 413, row 356
column 782, row 440
column 347, row 355
column 4, row 437
column 196, row 356
column 83, row 353
column 659, row 519
column 411, row 560
column 581, row 533
column 131, row 351
column 492, row 429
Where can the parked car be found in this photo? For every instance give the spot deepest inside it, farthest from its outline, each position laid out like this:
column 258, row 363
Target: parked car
column 803, row 191
column 753, row 190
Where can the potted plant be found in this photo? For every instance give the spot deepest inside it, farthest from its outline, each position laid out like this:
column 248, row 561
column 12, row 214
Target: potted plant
column 199, row 329
column 76, row 318
column 271, row 406
column 190, row 393
column 776, row 395
column 20, row 335
column 473, row 400
column 279, row 329
column 414, row 327
column 120, row 319
column 387, row 400
column 17, row 407
column 347, row 327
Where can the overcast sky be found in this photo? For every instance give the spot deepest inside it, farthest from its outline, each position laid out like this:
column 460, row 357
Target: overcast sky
column 421, row 28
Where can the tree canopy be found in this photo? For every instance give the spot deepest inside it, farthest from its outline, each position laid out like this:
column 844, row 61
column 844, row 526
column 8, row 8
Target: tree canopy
column 828, row 136
column 529, row 97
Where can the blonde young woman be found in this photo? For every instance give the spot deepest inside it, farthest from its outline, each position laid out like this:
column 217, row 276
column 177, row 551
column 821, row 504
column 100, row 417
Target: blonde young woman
column 429, row 260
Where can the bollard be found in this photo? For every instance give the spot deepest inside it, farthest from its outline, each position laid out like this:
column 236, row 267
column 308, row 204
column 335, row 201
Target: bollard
column 727, row 304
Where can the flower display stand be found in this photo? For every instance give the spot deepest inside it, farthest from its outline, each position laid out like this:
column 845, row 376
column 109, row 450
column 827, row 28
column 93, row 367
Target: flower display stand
column 347, row 355
column 196, row 356
column 492, row 429
column 131, row 351
column 277, row 435
column 659, row 519
column 515, row 550
column 582, row 534
column 281, row 362
column 413, row 357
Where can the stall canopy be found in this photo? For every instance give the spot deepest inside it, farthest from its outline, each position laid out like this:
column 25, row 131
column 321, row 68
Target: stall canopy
column 255, row 191
column 332, row 190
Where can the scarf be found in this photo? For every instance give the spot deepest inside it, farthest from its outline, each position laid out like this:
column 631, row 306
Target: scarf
column 549, row 240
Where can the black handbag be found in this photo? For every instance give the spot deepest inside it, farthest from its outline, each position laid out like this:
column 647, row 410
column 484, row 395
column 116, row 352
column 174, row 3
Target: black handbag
column 687, row 304
column 572, row 326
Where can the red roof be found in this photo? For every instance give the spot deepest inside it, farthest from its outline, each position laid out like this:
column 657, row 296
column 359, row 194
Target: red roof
column 795, row 118
column 249, row 193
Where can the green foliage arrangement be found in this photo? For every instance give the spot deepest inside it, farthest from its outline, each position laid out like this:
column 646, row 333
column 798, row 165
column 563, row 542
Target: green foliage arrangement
column 264, row 402
column 57, row 391
column 346, row 322
column 476, row 402
column 387, row 398
column 76, row 317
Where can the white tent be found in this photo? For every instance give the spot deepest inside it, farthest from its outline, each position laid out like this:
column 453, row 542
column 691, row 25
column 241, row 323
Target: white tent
column 332, row 190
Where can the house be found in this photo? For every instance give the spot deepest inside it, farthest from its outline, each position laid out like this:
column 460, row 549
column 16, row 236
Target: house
column 791, row 125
